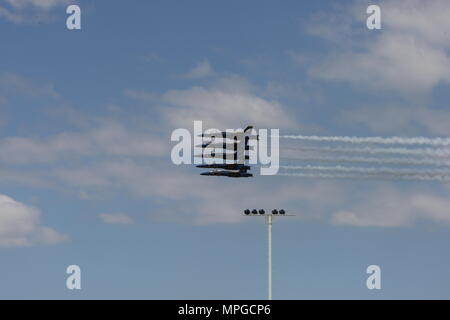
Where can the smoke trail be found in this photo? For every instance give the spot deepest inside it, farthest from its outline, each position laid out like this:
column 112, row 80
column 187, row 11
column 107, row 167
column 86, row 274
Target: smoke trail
column 425, row 157
column 377, row 140
column 382, row 170
column 399, row 161
column 416, row 177
column 401, row 151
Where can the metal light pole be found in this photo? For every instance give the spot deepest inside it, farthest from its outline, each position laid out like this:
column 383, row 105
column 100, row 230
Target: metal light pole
column 269, row 223
column 269, row 220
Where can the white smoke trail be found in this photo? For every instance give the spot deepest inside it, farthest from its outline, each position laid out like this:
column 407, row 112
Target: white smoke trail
column 416, row 177
column 377, row 140
column 399, row 161
column 405, row 156
column 441, row 152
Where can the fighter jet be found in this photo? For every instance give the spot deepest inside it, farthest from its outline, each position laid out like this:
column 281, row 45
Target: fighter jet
column 230, row 142
column 220, row 156
column 225, row 146
column 231, row 166
column 230, row 174
column 223, row 134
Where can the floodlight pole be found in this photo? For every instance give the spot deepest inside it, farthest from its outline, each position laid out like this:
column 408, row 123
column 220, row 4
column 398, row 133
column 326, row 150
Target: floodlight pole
column 269, row 220
column 269, row 224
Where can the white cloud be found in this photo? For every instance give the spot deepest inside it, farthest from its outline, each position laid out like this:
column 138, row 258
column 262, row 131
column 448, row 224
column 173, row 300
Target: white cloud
column 20, row 226
column 109, row 139
column 112, row 158
column 201, row 70
column 229, row 103
column 427, row 20
column 115, row 218
column 181, row 193
column 31, row 11
column 435, row 208
column 13, row 83
column 398, row 119
column 184, row 196
column 226, row 102
column 43, row 4
column 408, row 56
column 395, row 61
column 390, row 207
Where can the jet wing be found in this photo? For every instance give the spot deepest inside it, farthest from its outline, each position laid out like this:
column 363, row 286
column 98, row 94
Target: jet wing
column 230, row 174
column 225, row 156
column 229, row 136
column 226, row 146
column 231, row 166
column 224, row 134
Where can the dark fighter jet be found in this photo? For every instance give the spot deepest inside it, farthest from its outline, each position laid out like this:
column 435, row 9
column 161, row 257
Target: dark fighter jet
column 230, row 174
column 238, row 169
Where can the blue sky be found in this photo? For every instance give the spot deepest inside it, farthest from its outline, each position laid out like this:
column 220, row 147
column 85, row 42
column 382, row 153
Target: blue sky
column 86, row 176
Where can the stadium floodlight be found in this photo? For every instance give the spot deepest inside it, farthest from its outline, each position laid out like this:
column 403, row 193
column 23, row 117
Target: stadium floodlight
column 269, row 220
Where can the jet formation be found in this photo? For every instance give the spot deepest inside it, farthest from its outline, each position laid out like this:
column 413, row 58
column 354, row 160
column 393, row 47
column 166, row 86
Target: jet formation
column 239, row 146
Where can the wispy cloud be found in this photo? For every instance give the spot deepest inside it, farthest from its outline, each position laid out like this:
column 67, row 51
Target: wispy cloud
column 111, row 157
column 393, row 208
column 14, row 83
column 31, row 11
column 399, row 118
column 109, row 139
column 224, row 104
column 408, row 56
column 116, row 218
column 202, row 70
column 20, row 226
